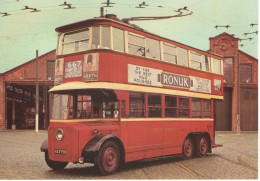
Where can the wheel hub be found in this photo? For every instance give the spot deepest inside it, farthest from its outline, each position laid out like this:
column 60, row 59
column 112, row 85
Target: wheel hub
column 110, row 158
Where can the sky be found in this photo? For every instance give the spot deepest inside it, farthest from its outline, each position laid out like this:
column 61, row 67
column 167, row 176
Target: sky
column 23, row 32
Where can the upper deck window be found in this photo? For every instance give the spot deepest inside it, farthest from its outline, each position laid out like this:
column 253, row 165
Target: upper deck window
column 195, row 60
column 136, row 44
column 106, row 38
column 216, row 66
column 183, row 57
column 95, row 37
column 206, row 63
column 75, row 41
column 118, row 40
column 152, row 48
column 170, row 53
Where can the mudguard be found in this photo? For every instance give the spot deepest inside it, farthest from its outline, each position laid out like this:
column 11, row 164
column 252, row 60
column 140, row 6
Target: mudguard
column 93, row 146
column 44, row 146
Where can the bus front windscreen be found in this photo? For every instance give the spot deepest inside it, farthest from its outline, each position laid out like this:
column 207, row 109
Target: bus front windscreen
column 85, row 106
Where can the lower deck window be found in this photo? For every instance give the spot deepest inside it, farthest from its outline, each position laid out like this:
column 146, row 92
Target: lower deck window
column 171, row 109
column 196, row 108
column 137, row 104
column 206, row 108
column 154, row 106
column 110, row 110
column 184, row 107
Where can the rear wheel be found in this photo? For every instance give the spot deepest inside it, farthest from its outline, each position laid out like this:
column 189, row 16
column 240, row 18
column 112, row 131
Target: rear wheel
column 202, row 146
column 54, row 164
column 188, row 148
column 108, row 159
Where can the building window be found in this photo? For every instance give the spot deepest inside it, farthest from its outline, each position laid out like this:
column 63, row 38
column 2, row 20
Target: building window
column 170, row 53
column 50, row 69
column 118, row 40
column 137, row 104
column 216, row 66
column 245, row 74
column 171, row 106
column 206, row 104
column 196, row 108
column 154, row 106
column 184, row 107
column 228, row 69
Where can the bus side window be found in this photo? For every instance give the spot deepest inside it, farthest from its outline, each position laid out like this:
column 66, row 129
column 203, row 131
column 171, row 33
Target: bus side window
column 123, row 109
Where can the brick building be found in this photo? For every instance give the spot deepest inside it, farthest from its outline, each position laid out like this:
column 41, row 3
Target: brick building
column 239, row 110
column 18, row 89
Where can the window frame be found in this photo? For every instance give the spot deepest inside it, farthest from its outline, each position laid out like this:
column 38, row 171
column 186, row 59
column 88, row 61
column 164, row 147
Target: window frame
column 63, row 36
column 157, row 107
column 170, row 107
column 176, row 52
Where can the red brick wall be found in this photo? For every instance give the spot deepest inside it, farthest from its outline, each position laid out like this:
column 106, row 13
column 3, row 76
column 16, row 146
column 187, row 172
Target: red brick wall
column 27, row 71
column 23, row 73
column 2, row 102
column 244, row 58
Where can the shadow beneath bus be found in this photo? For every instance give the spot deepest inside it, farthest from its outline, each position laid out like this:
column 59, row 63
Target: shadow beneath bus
column 149, row 162
column 77, row 171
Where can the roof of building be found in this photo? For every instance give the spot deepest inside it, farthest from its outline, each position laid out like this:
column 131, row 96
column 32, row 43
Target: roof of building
column 225, row 34
column 19, row 66
column 247, row 55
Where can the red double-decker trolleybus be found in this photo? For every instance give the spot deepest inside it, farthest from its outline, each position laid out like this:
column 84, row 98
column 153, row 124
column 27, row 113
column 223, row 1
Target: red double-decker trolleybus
column 122, row 94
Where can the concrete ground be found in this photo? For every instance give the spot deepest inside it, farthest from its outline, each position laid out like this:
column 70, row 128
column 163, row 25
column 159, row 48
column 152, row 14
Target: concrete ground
column 20, row 158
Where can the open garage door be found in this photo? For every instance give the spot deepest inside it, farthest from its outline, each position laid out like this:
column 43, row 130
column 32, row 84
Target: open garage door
column 20, row 106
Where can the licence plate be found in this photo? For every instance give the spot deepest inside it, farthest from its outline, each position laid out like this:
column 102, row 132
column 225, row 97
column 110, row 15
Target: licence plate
column 61, row 152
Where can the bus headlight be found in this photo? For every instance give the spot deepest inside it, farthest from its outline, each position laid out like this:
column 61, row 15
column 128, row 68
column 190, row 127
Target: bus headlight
column 59, row 134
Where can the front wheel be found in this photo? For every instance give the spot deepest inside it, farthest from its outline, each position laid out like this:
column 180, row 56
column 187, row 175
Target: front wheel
column 108, row 159
column 187, row 148
column 54, row 164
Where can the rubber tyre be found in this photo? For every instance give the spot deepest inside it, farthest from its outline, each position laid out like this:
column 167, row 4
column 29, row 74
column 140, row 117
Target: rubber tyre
column 108, row 159
column 202, row 146
column 54, row 164
column 188, row 148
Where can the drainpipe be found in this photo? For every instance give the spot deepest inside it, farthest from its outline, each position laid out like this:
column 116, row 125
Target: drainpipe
column 238, row 94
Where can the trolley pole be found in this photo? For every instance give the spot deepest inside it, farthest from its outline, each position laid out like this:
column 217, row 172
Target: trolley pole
column 37, row 97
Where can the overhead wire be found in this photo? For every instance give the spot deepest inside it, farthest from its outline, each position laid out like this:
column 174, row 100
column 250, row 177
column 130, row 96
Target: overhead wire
column 122, row 5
